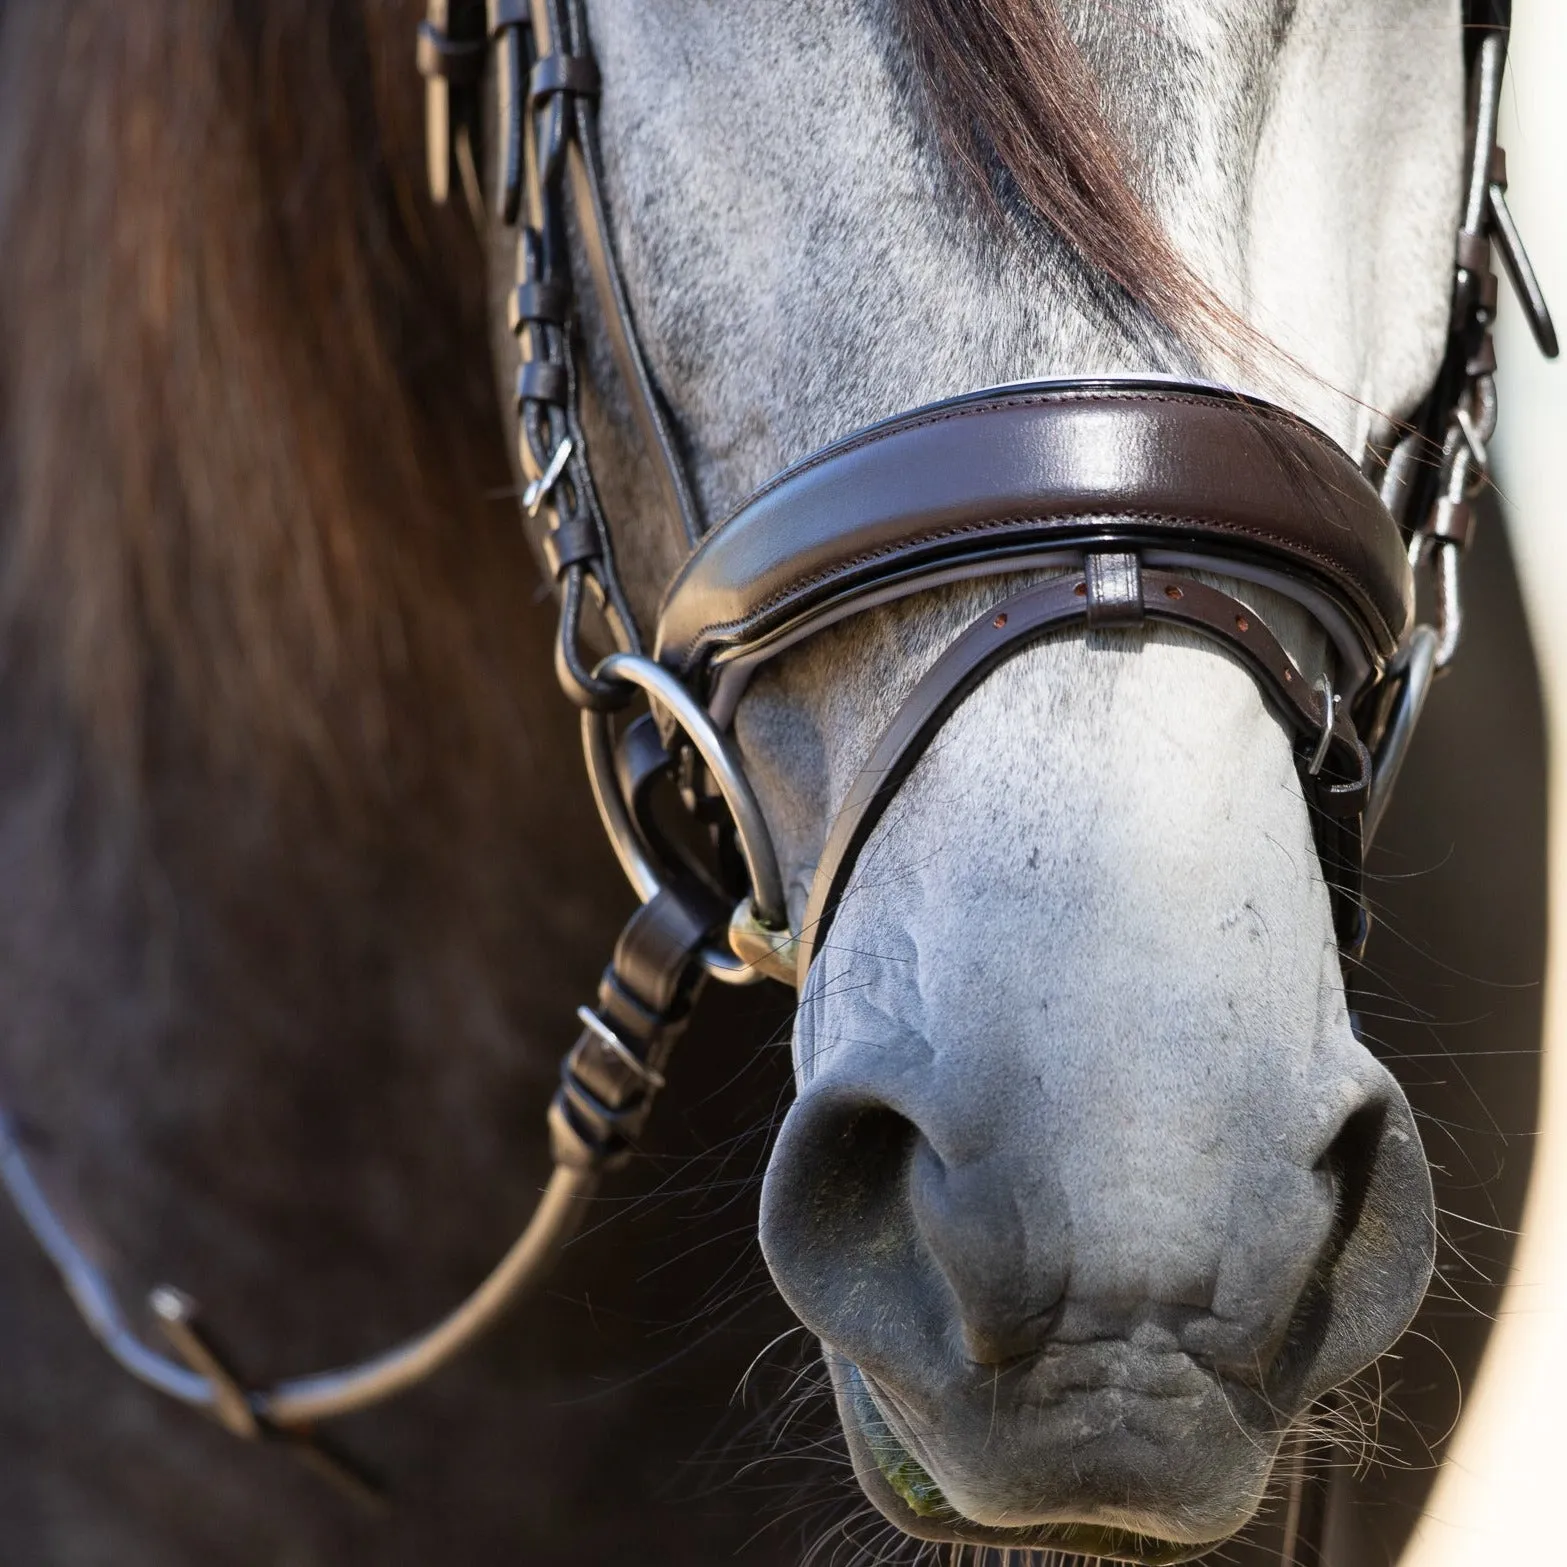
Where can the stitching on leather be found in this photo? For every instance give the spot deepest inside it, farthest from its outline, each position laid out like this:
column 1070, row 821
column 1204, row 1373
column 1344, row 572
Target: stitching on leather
column 804, row 584
column 854, row 443
column 1261, row 411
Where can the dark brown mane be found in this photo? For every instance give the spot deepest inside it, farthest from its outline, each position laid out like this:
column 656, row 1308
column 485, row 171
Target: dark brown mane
column 1009, row 87
column 247, row 412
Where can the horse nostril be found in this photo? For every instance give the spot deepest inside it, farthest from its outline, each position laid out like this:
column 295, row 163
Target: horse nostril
column 835, row 1226
column 860, row 1166
column 1350, row 1164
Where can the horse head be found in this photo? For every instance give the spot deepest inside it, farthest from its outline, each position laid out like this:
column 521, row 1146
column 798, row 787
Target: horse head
column 1090, row 1188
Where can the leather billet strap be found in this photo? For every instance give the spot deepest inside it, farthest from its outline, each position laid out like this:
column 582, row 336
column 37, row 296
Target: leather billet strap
column 1112, row 592
column 584, row 172
column 1069, row 464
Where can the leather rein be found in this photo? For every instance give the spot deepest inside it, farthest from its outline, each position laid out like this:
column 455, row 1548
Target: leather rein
column 1123, row 487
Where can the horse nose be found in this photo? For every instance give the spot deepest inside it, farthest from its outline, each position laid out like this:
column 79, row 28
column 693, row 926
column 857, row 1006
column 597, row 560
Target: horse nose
column 899, row 1238
column 897, row 1231
column 877, row 1211
column 838, row 1228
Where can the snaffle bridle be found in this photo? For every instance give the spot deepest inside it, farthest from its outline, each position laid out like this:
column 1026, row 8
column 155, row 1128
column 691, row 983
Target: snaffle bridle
column 1119, row 488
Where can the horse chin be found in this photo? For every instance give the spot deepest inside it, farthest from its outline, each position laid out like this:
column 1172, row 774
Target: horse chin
column 906, row 1494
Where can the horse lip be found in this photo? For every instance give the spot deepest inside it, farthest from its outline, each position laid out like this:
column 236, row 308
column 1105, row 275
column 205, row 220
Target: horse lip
column 898, row 1483
column 1093, row 1368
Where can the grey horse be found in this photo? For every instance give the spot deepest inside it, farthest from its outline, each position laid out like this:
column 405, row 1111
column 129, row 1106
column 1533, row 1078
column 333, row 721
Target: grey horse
column 1089, row 1188
column 1080, row 1106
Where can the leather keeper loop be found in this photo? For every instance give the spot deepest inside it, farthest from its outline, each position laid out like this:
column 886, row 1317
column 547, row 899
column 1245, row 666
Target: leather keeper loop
column 585, row 1133
column 538, row 381
column 629, row 1018
column 1114, row 583
column 546, row 302
column 563, row 73
column 1474, row 253
column 1452, row 522
column 571, row 541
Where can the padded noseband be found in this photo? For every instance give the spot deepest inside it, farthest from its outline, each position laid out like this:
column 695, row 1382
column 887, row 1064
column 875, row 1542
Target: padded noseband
column 1158, row 466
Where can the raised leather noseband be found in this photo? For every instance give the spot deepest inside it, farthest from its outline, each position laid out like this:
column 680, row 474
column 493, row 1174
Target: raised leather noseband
column 1162, row 465
column 1118, row 483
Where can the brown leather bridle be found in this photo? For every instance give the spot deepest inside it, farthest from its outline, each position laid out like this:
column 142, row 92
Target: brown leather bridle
column 1122, row 488
column 1118, row 483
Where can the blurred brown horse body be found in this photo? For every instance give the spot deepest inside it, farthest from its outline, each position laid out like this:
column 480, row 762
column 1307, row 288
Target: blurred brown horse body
column 302, row 884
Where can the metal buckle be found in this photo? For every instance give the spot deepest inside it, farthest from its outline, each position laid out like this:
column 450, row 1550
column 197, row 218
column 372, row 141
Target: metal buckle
column 622, row 1052
column 1324, row 688
column 538, row 490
